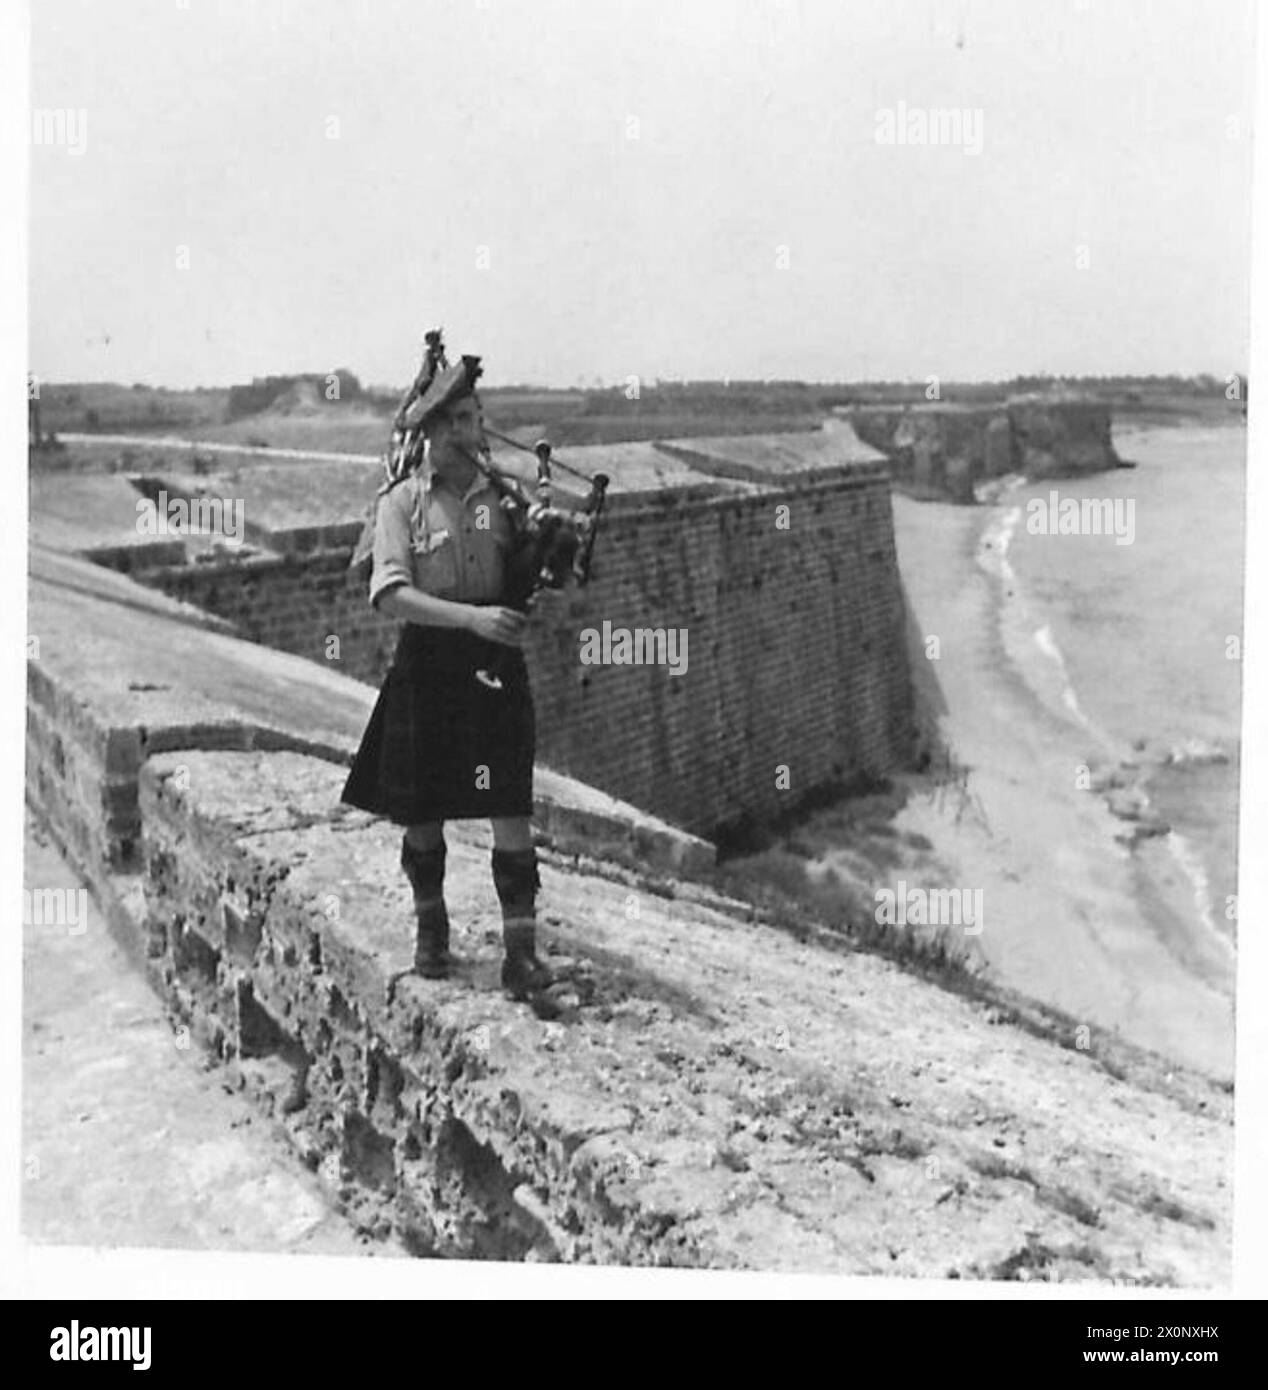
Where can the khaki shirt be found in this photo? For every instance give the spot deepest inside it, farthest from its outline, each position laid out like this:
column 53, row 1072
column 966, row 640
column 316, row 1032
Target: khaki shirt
column 444, row 542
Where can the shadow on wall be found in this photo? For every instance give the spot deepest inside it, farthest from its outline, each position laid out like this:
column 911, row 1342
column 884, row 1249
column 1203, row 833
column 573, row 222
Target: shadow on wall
column 929, row 703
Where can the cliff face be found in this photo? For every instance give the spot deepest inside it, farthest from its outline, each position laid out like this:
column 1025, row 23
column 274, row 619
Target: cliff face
column 936, row 451
column 940, row 451
column 1054, row 439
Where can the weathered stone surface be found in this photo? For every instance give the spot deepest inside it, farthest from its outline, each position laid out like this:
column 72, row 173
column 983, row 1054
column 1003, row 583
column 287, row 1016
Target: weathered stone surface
column 718, row 1095
column 130, row 1140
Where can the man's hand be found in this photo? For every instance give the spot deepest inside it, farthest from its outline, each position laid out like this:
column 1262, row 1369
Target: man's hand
column 503, row 625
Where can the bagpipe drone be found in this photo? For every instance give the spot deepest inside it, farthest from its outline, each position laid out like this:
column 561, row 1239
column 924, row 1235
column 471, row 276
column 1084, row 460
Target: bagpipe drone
column 552, row 544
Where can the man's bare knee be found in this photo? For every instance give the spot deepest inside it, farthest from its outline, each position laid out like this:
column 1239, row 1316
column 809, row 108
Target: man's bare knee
column 425, row 835
column 512, row 832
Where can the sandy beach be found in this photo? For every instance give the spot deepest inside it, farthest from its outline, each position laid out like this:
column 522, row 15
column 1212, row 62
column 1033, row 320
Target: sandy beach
column 1089, row 904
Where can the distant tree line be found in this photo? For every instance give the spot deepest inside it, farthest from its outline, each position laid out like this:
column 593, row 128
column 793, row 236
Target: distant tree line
column 638, row 409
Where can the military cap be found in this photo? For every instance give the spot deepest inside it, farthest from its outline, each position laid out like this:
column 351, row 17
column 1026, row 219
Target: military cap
column 449, row 386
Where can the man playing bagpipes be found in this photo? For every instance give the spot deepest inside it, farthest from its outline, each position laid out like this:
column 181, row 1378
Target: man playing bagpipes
column 459, row 551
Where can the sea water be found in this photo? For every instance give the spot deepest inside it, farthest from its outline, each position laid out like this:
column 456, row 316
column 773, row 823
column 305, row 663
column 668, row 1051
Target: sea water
column 1139, row 644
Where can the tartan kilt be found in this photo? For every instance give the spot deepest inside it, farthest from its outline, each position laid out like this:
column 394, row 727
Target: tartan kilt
column 435, row 726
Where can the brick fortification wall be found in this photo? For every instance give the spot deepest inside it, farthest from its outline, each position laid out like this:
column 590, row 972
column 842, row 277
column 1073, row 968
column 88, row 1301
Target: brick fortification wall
column 796, row 654
column 795, row 643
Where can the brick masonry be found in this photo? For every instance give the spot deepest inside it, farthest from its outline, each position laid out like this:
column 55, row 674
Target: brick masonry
column 796, row 653
column 84, row 775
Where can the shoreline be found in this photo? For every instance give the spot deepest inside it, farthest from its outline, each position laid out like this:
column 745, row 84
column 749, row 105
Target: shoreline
column 1127, row 774
column 1087, row 909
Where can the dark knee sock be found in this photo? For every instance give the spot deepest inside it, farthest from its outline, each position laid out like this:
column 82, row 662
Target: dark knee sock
column 425, row 870
column 516, row 879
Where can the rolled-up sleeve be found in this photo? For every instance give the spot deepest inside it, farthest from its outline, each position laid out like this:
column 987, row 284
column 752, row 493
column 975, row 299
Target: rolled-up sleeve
column 392, row 557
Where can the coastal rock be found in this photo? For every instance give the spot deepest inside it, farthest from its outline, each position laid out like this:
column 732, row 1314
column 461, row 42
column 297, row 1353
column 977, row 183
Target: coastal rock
column 1060, row 438
column 937, row 451
column 944, row 450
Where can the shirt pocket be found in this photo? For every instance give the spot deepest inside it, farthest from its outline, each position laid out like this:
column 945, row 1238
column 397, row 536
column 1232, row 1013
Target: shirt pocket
column 436, row 564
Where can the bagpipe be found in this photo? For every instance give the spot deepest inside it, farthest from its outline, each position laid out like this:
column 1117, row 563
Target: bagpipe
column 551, row 545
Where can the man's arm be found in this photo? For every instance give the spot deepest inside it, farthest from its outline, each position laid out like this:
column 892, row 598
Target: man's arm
column 412, row 605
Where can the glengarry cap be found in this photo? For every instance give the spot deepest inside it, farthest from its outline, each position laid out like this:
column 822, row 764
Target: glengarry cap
column 450, row 386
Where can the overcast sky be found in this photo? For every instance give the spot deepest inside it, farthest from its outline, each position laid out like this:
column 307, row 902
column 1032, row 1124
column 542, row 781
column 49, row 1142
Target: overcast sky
column 584, row 191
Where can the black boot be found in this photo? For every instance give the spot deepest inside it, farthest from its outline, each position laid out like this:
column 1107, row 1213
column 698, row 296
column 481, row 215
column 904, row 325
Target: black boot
column 516, row 880
column 425, row 870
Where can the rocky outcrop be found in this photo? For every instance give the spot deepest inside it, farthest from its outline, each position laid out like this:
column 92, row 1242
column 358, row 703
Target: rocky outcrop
column 936, row 451
column 1059, row 438
column 943, row 450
